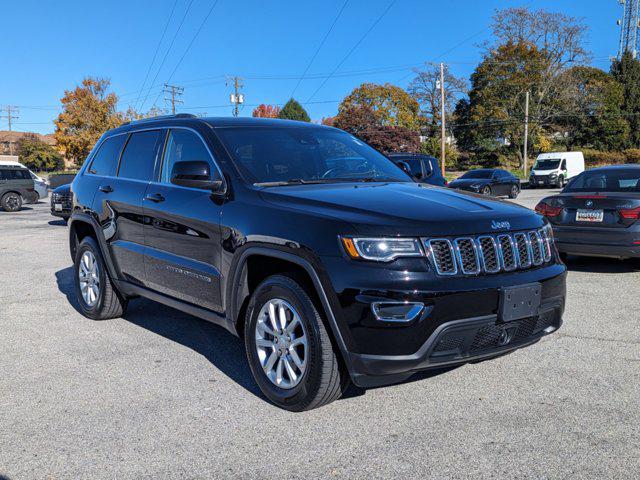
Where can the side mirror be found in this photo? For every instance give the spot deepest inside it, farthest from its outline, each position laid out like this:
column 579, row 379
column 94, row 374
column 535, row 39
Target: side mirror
column 194, row 174
column 405, row 166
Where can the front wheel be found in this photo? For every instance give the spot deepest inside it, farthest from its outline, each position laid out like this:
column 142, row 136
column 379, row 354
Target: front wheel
column 560, row 182
column 11, row 202
column 486, row 190
column 514, row 192
column 289, row 349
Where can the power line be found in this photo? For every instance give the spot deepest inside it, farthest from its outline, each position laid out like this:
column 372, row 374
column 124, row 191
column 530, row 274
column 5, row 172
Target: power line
column 193, row 39
column 155, row 54
column 352, row 50
column 164, row 58
column 324, row 39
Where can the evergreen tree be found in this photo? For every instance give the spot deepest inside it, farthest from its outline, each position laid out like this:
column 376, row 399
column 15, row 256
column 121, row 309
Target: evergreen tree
column 627, row 72
column 294, row 111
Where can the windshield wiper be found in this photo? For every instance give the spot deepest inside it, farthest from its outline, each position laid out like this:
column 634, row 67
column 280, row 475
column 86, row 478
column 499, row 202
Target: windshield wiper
column 293, row 181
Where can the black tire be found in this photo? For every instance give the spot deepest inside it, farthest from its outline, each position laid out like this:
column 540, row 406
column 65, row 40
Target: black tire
column 110, row 303
column 560, row 182
column 514, row 192
column 486, row 190
column 564, row 257
column 324, row 380
column 11, row 202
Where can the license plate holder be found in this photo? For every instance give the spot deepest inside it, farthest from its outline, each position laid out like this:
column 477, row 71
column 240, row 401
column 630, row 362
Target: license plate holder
column 520, row 301
column 57, row 207
column 589, row 216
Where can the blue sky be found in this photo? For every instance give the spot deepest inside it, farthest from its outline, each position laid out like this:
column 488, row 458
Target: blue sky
column 49, row 46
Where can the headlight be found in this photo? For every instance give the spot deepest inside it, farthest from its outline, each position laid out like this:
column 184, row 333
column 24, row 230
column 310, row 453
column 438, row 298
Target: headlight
column 381, row 249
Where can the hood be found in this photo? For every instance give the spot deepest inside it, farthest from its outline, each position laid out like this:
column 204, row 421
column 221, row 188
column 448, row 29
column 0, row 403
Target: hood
column 66, row 188
column 410, row 209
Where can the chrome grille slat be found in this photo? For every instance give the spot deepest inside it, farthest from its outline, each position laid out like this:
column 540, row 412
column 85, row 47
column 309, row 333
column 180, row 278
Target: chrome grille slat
column 536, row 248
column 488, row 253
column 443, row 257
column 467, row 254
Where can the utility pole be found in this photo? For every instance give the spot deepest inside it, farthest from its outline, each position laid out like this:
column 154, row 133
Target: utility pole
column 236, row 97
column 629, row 27
column 526, row 132
column 442, row 115
column 175, row 93
column 12, row 114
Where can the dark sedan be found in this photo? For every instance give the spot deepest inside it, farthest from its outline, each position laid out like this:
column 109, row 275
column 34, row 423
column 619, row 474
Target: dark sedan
column 597, row 213
column 489, row 181
column 423, row 168
column 61, row 202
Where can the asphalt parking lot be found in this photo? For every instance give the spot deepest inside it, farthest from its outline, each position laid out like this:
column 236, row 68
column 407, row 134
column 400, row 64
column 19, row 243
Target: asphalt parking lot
column 161, row 394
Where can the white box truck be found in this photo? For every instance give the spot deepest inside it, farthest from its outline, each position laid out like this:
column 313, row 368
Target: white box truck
column 556, row 169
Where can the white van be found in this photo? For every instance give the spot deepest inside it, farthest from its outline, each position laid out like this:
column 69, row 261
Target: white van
column 41, row 185
column 556, row 169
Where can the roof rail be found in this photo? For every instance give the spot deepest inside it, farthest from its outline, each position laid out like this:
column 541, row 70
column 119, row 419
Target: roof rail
column 161, row 117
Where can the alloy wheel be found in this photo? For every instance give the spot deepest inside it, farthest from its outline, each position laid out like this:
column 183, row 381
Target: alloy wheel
column 89, row 277
column 13, row 202
column 281, row 343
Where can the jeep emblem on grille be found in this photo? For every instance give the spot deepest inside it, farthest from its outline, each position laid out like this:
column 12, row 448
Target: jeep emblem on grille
column 500, row 225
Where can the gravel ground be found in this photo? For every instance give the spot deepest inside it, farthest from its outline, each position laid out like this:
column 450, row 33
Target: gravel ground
column 161, row 394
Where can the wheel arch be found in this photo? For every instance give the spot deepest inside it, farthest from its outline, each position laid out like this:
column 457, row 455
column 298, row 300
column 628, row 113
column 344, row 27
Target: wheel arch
column 82, row 225
column 242, row 281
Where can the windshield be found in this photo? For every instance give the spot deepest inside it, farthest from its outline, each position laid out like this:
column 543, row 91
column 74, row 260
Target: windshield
column 624, row 180
column 306, row 155
column 547, row 164
column 478, row 174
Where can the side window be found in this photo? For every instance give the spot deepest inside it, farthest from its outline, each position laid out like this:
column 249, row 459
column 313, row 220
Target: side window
column 139, row 156
column 24, row 174
column 185, row 145
column 4, row 174
column 564, row 165
column 415, row 164
column 106, row 159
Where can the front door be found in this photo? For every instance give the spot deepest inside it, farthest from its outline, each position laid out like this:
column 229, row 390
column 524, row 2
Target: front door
column 182, row 228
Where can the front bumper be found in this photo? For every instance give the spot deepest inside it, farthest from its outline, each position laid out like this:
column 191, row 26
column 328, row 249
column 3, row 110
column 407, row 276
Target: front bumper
column 458, row 342
column 543, row 180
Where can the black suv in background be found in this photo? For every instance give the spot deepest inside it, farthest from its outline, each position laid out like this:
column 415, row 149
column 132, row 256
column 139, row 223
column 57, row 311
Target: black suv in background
column 327, row 259
column 423, row 168
column 16, row 188
column 61, row 202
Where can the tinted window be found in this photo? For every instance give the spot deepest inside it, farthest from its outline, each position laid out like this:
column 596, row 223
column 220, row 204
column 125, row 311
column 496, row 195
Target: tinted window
column 15, row 175
column 478, row 174
column 415, row 165
column 503, row 174
column 105, row 161
column 138, row 158
column 618, row 180
column 548, row 164
column 182, row 146
column 268, row 154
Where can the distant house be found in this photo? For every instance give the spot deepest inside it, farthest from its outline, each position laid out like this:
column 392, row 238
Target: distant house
column 7, row 139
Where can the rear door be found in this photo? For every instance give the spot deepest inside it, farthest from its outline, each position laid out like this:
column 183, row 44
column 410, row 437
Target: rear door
column 119, row 199
column 182, row 228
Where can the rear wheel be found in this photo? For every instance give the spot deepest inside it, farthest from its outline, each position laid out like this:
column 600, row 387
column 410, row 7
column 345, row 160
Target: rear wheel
column 97, row 296
column 486, row 190
column 289, row 349
column 11, row 202
column 514, row 192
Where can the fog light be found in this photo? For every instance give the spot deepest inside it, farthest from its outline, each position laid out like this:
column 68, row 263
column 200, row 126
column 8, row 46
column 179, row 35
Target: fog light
column 397, row 311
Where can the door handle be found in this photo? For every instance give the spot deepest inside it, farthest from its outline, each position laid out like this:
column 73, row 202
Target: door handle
column 106, row 188
column 154, row 197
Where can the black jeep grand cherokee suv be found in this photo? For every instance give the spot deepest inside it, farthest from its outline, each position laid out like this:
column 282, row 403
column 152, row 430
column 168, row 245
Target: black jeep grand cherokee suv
column 324, row 256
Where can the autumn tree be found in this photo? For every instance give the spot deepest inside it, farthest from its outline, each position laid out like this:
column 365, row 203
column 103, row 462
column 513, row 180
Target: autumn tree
column 627, row 72
column 425, row 88
column 38, row 155
column 362, row 122
column 391, row 105
column 294, row 111
column 88, row 111
column 266, row 111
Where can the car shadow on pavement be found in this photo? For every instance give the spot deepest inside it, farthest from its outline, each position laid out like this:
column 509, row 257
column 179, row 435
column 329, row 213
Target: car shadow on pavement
column 602, row 265
column 225, row 351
